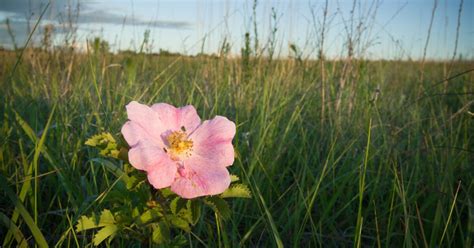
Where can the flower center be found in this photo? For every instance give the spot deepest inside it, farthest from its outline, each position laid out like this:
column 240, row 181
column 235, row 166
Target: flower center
column 179, row 145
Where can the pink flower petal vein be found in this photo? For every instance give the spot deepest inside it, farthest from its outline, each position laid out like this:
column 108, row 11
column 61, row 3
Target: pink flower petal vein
column 177, row 150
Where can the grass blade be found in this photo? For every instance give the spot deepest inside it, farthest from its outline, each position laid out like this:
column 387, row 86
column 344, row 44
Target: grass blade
column 35, row 231
column 19, row 237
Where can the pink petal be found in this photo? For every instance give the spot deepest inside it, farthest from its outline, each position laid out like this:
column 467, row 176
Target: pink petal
column 189, row 118
column 175, row 118
column 162, row 176
column 134, row 134
column 213, row 141
column 202, row 179
column 216, row 178
column 161, row 170
column 167, row 114
column 147, row 119
column 186, row 188
column 146, row 157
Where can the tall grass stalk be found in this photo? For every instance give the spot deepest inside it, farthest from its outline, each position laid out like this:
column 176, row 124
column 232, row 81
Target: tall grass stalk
column 362, row 174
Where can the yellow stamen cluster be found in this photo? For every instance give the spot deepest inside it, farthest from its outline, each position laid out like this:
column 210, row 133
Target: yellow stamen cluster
column 179, row 145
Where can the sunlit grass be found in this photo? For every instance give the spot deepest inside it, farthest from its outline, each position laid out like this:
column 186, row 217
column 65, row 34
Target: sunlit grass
column 390, row 170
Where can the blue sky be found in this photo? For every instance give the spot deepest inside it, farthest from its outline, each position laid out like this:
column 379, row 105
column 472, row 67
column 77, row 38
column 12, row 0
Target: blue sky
column 393, row 29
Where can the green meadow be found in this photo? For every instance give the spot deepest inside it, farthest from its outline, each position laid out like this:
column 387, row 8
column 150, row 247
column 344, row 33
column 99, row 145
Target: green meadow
column 336, row 153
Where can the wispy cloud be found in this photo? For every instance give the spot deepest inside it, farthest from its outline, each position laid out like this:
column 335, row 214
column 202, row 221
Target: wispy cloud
column 102, row 16
column 20, row 10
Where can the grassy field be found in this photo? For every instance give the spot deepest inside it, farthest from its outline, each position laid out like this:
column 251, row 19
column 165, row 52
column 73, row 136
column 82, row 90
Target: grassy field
column 336, row 153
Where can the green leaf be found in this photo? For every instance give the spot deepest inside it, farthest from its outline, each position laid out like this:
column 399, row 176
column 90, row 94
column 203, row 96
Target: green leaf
column 106, row 232
column 187, row 215
column 167, row 192
column 134, row 178
column 237, row 190
column 106, row 221
column 135, row 212
column 150, row 215
column 195, row 207
column 91, row 141
column 181, row 208
column 161, row 233
column 177, row 204
column 106, row 143
column 219, row 206
column 179, row 222
column 102, row 139
column 178, row 241
column 234, row 178
column 85, row 223
column 132, row 182
column 106, row 218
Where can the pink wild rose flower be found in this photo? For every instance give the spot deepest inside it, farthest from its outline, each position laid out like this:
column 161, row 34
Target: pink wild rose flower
column 176, row 149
